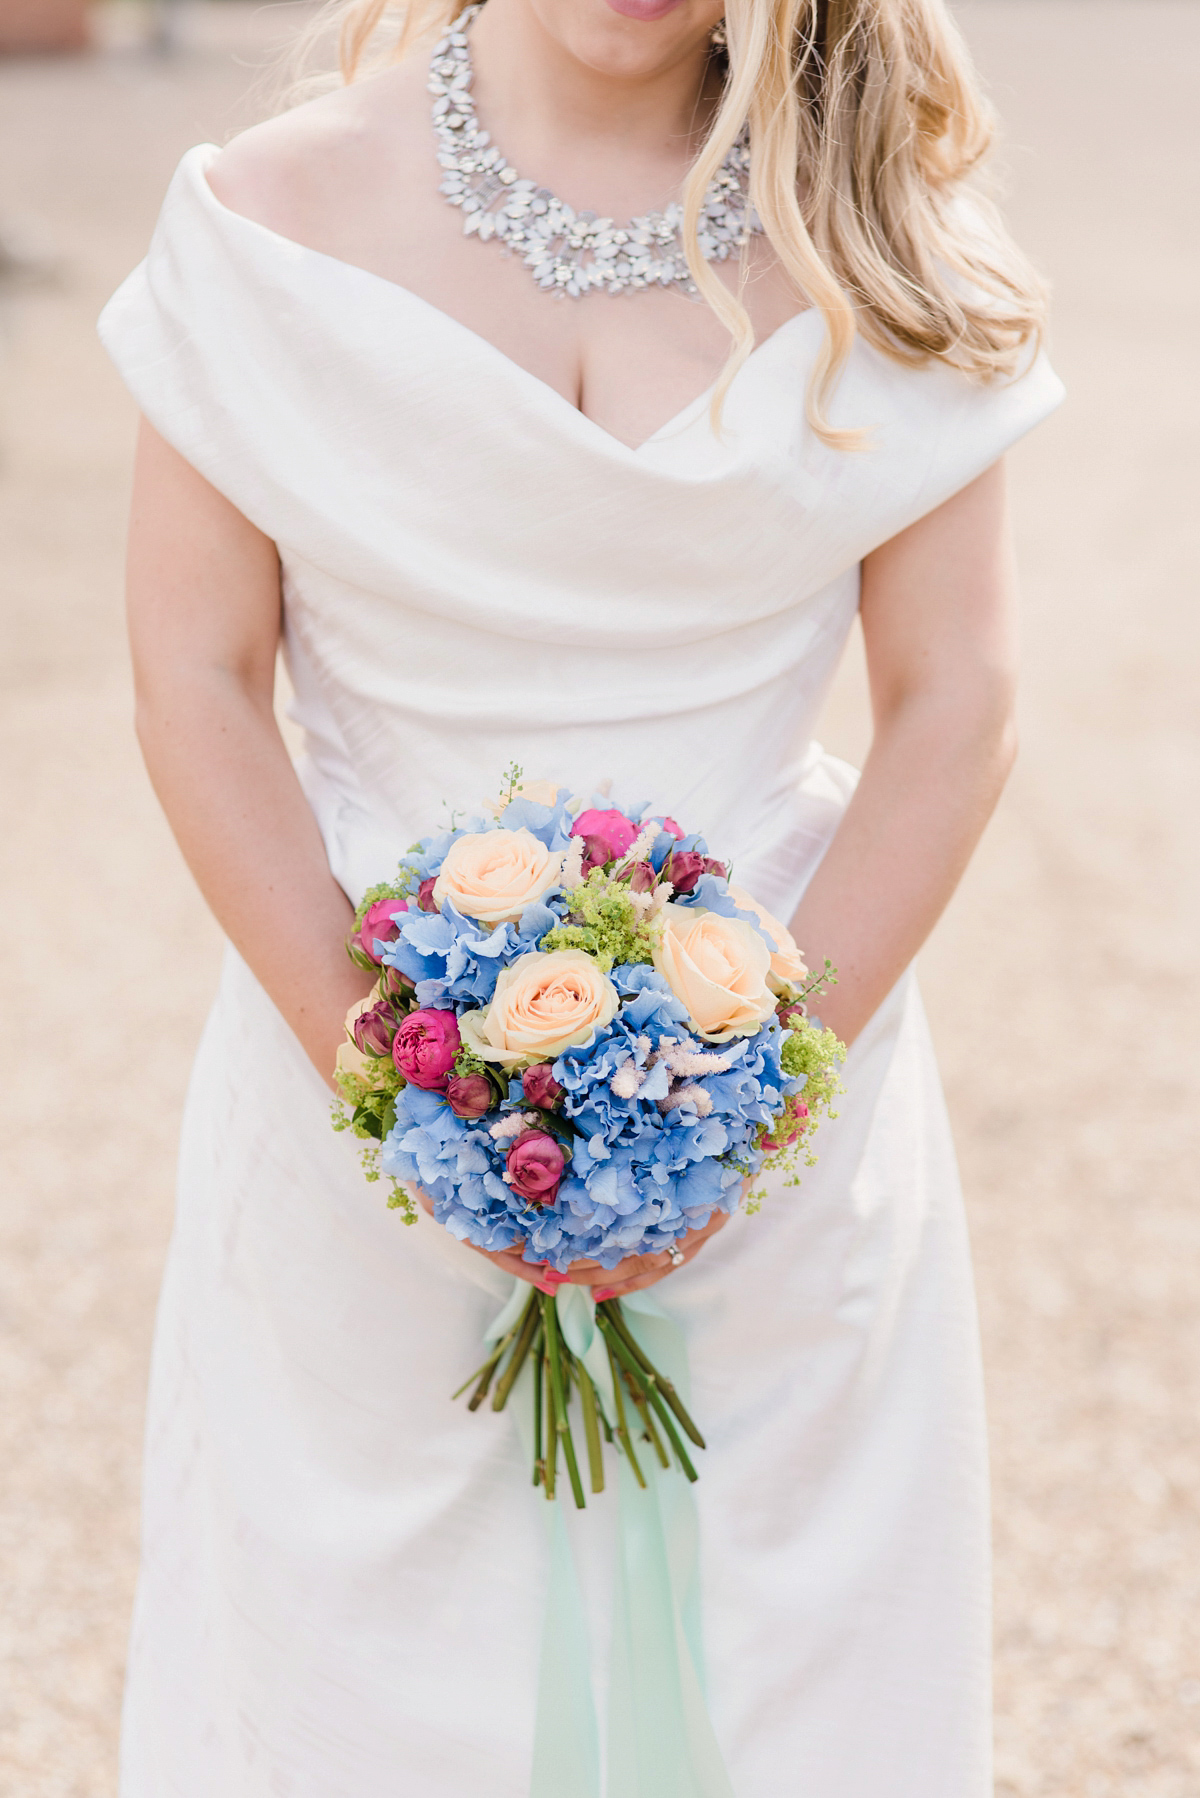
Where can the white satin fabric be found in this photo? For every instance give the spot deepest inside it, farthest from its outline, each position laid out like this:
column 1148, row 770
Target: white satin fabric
column 343, row 1574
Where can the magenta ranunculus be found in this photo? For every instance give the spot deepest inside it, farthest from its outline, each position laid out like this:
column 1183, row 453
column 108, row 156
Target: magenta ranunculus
column 683, row 871
column 379, row 925
column 643, row 879
column 535, row 1165
column 425, row 898
column 605, row 836
column 425, row 1046
column 375, row 1030
column 470, row 1095
column 540, row 1087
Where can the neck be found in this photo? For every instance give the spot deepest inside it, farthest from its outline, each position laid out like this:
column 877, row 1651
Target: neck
column 580, row 116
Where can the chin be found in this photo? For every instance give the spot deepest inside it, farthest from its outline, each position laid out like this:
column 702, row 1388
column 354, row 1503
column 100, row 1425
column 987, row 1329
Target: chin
column 628, row 38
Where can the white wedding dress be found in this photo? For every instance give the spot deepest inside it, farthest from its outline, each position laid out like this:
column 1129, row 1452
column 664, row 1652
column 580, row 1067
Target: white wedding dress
column 344, row 1574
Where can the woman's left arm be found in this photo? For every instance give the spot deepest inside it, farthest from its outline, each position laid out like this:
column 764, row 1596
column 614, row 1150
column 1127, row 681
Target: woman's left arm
column 939, row 623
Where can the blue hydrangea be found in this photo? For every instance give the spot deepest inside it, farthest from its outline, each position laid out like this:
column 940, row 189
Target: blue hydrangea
column 637, row 1177
column 454, row 960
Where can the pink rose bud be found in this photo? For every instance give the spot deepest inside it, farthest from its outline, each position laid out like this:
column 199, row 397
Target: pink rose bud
column 540, row 1086
column 535, row 1165
column 670, row 826
column 395, row 984
column 606, row 835
column 425, row 894
column 470, row 1095
column 379, row 925
column 375, row 1030
column 425, row 1046
column 643, row 878
column 683, row 871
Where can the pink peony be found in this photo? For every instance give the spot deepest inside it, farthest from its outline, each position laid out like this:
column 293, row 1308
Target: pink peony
column 379, row 925
column 540, row 1087
column 470, row 1095
column 535, row 1166
column 683, row 871
column 425, row 1046
column 425, row 898
column 670, row 826
column 375, row 1029
column 605, row 836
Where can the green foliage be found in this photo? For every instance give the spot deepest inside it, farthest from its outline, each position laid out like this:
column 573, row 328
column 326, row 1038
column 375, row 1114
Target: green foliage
column 401, row 1200
column 605, row 923
column 814, row 1054
column 373, row 1116
column 510, row 781
column 467, row 1062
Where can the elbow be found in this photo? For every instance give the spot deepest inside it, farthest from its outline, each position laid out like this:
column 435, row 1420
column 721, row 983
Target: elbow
column 1008, row 744
column 966, row 723
column 995, row 709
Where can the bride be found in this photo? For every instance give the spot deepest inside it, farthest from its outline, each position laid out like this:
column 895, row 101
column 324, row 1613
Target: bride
column 555, row 391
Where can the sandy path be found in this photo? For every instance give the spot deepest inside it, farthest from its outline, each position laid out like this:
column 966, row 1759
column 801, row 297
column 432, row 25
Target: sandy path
column 1063, row 985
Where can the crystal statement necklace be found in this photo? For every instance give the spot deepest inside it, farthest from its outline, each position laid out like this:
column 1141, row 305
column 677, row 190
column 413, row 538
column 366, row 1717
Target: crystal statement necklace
column 571, row 252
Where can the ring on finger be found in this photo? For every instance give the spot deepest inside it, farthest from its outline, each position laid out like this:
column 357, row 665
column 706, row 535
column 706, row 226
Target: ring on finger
column 676, row 1254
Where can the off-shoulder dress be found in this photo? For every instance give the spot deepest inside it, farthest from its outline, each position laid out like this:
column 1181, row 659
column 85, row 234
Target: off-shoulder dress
column 343, row 1575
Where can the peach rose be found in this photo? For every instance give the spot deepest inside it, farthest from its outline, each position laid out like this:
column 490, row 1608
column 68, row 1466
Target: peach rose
column 542, row 1005
column 493, row 875
column 718, row 967
column 788, row 972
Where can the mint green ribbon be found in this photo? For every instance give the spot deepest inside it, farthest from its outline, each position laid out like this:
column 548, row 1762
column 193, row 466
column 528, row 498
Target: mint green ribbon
column 659, row 1740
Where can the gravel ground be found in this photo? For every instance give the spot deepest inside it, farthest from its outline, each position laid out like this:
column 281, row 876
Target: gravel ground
column 1063, row 983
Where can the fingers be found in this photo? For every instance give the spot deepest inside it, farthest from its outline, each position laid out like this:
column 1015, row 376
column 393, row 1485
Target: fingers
column 633, row 1274
column 626, row 1277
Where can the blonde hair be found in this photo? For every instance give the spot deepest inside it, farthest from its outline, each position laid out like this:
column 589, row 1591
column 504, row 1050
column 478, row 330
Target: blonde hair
column 866, row 121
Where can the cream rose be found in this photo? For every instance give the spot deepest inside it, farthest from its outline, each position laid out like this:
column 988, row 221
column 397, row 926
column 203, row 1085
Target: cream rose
column 541, row 792
column 788, row 972
column 493, row 875
column 718, row 967
column 542, row 1005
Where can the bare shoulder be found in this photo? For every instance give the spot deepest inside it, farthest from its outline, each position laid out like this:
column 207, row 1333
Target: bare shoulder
column 297, row 174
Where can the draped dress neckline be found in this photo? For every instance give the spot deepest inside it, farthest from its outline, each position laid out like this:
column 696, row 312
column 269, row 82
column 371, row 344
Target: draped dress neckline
column 515, row 372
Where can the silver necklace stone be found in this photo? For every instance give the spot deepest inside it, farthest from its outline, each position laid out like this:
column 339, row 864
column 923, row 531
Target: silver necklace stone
column 571, row 252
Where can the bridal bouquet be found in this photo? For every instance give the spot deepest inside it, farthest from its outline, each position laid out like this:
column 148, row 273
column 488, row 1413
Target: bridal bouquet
column 583, row 1041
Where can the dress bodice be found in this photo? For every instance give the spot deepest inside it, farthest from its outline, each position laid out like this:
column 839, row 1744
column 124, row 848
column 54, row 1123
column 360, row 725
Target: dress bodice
column 475, row 572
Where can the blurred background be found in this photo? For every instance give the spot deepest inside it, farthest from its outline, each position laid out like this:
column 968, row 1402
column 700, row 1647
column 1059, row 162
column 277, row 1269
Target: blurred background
column 1063, row 984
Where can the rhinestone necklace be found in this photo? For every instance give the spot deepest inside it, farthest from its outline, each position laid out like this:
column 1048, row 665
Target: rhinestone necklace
column 572, row 252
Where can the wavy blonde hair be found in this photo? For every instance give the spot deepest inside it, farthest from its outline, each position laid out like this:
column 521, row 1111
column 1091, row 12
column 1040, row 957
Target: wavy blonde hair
column 866, row 124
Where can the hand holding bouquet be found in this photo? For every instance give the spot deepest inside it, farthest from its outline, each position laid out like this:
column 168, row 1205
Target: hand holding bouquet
column 583, row 1043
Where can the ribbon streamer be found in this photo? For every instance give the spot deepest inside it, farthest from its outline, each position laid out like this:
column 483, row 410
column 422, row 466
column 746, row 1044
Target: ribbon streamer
column 659, row 1740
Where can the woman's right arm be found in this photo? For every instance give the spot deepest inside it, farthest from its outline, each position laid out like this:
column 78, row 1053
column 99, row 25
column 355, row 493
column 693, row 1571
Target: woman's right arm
column 204, row 623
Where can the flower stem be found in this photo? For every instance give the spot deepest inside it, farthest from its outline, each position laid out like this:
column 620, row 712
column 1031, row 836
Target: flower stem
column 623, row 1436
column 539, row 1380
column 638, row 1389
column 561, row 1424
column 484, row 1375
column 550, row 1460
column 617, row 1318
column 664, row 1417
column 591, row 1427
column 530, row 1318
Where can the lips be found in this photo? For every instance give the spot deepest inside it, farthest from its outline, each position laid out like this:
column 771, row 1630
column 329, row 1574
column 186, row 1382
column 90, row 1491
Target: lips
column 644, row 10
